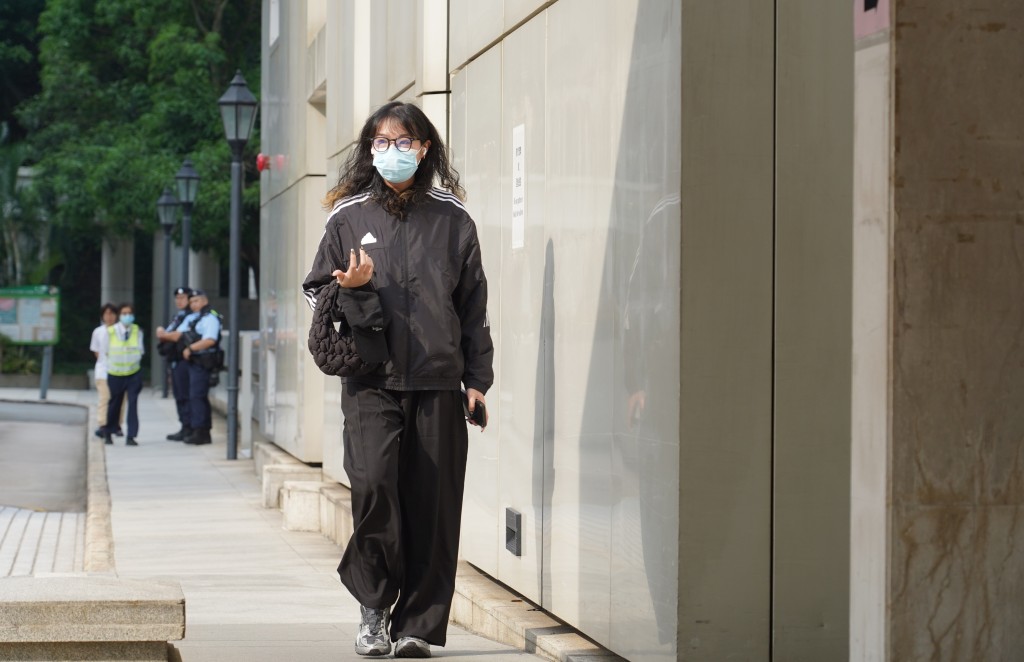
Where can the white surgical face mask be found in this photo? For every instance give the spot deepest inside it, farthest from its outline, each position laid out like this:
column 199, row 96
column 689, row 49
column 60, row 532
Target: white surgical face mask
column 395, row 166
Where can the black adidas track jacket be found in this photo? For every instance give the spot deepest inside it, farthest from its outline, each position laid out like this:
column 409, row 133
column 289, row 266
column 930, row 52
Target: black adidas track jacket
column 429, row 284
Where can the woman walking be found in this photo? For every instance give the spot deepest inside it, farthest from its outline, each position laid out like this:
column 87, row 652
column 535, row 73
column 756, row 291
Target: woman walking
column 406, row 257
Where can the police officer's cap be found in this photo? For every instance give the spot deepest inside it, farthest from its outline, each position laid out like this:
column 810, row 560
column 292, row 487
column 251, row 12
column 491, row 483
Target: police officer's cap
column 197, row 293
column 182, row 290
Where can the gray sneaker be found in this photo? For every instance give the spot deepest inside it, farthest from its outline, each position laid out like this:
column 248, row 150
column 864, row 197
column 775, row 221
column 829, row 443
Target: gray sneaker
column 373, row 636
column 412, row 647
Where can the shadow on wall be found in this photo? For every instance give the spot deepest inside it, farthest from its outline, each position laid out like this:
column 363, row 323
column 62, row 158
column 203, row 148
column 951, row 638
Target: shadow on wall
column 635, row 418
column 544, row 413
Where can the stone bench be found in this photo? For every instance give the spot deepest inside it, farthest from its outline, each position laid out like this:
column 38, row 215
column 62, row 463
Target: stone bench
column 80, row 617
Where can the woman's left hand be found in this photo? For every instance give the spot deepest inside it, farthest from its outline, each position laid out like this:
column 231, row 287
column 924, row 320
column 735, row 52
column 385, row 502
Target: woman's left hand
column 356, row 276
column 474, row 396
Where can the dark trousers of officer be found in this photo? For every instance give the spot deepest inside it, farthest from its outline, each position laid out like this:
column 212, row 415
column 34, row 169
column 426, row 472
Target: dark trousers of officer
column 179, row 385
column 405, row 455
column 198, row 390
column 120, row 386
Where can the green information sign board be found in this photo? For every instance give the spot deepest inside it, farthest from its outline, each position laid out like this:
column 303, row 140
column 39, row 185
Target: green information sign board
column 30, row 314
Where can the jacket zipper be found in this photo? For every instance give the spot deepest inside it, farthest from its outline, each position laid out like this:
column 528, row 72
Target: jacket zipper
column 408, row 306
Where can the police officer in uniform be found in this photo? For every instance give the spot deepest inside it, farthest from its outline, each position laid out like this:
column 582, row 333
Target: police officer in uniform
column 201, row 351
column 169, row 348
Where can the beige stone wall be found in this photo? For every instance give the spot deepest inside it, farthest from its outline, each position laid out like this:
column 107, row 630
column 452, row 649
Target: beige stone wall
column 957, row 575
column 870, row 359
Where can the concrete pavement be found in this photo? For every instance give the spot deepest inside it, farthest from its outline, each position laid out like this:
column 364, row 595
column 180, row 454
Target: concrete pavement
column 42, row 459
column 253, row 591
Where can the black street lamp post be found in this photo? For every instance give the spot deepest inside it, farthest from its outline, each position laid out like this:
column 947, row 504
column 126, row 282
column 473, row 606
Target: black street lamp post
column 188, row 186
column 167, row 210
column 238, row 110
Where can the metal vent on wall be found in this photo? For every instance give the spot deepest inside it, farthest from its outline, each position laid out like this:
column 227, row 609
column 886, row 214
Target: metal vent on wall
column 513, row 532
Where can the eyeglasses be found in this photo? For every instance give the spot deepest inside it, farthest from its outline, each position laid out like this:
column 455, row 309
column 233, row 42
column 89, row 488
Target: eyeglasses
column 381, row 144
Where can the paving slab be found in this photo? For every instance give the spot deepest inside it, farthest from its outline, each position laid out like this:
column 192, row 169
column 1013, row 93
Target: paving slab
column 37, row 543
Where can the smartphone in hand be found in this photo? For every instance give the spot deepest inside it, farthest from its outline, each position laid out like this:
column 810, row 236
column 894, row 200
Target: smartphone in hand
column 479, row 414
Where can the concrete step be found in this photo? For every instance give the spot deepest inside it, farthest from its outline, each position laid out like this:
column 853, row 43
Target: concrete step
column 266, row 452
column 336, row 513
column 275, row 475
column 275, row 466
column 482, row 605
column 300, row 504
column 89, row 618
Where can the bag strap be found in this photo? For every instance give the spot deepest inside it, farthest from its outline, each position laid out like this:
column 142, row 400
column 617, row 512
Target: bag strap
column 220, row 319
column 328, row 304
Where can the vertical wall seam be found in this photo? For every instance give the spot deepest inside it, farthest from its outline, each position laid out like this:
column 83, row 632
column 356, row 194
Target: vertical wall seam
column 548, row 447
column 775, row 222
column 890, row 343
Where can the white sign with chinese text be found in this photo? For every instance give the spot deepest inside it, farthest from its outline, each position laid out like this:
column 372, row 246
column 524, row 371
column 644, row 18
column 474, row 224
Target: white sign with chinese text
column 518, row 187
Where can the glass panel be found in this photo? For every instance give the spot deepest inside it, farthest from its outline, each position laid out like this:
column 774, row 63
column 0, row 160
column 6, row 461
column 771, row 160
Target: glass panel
column 228, row 115
column 183, row 190
column 246, row 120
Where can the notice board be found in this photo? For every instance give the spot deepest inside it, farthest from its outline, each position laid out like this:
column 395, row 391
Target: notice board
column 30, row 314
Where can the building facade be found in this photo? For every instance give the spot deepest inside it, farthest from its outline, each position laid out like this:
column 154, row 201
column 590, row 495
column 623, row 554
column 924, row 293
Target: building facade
column 756, row 345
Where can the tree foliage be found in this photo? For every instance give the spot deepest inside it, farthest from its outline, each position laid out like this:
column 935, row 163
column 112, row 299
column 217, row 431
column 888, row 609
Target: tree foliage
column 23, row 226
column 129, row 88
column 108, row 97
column 19, row 75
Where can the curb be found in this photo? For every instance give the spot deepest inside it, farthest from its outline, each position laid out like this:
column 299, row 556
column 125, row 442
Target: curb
column 99, row 534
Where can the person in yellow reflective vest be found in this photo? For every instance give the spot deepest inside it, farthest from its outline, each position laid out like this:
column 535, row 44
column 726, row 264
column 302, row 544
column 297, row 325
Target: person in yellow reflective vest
column 124, row 348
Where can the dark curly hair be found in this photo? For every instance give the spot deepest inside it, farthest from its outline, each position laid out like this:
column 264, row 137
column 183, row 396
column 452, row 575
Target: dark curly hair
column 358, row 174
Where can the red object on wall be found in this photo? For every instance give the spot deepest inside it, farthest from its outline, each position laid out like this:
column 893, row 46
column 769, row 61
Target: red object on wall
column 262, row 162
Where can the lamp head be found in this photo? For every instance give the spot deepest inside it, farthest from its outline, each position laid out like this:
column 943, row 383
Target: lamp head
column 167, row 209
column 188, row 182
column 238, row 110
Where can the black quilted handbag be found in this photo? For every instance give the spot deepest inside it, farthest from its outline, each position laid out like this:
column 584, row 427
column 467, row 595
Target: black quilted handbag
column 334, row 350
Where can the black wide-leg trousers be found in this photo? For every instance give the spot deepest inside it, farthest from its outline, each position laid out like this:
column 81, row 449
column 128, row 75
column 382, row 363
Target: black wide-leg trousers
column 405, row 455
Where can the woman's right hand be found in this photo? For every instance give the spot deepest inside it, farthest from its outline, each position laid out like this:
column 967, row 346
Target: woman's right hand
column 357, row 275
